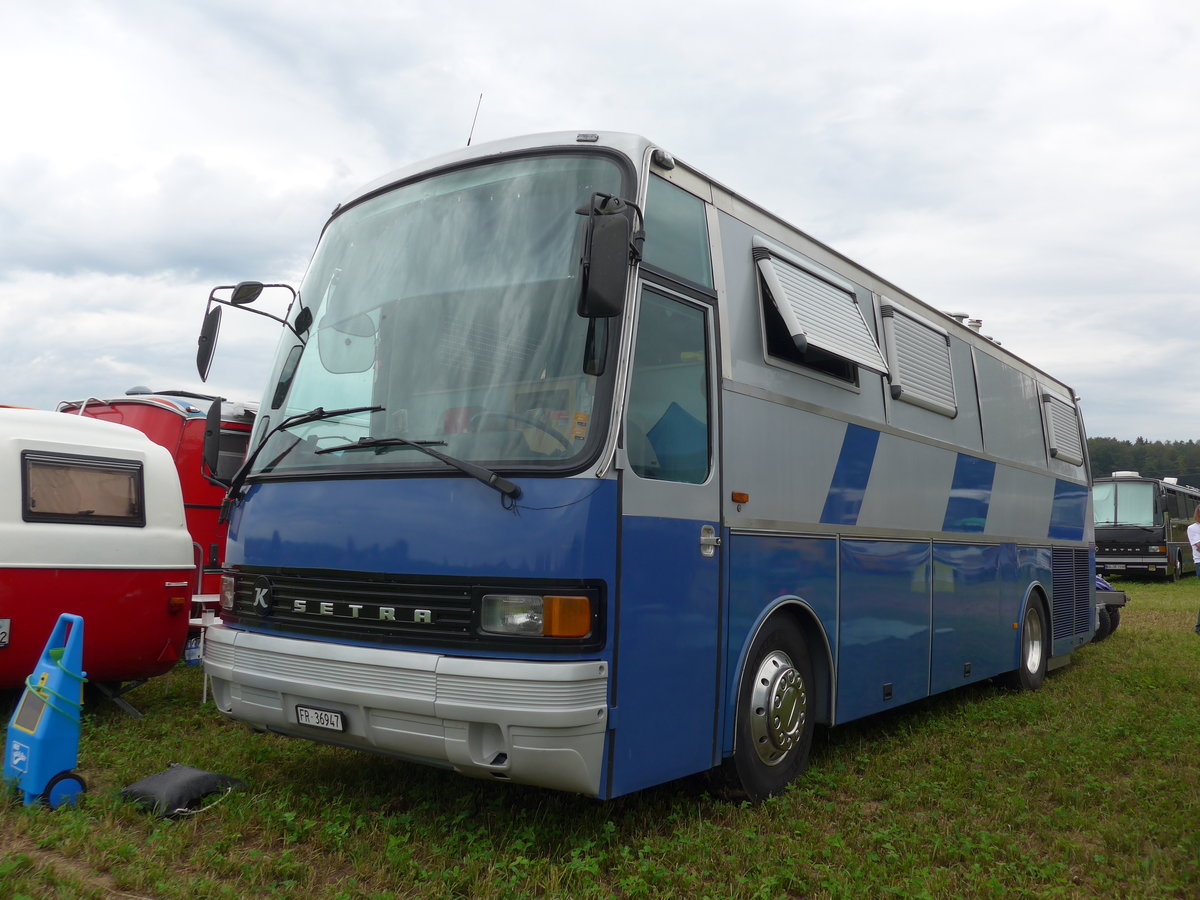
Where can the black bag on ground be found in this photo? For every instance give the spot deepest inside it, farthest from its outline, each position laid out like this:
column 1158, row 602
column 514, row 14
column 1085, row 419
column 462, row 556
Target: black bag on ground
column 178, row 791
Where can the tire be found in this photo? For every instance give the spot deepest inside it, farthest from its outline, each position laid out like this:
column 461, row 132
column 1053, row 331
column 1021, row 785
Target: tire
column 1103, row 624
column 64, row 788
column 1035, row 651
column 774, row 728
column 1178, row 571
column 1114, row 618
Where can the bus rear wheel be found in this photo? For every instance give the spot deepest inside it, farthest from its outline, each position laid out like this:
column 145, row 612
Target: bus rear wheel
column 1035, row 651
column 774, row 729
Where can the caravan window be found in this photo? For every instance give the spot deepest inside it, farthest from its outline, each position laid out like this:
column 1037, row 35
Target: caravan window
column 84, row 490
column 918, row 354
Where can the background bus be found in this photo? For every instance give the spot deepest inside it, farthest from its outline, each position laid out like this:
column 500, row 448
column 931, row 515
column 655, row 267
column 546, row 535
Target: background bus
column 1141, row 525
column 536, row 501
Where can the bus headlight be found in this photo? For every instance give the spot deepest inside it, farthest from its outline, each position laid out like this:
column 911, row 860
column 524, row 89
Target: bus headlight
column 228, row 587
column 546, row 616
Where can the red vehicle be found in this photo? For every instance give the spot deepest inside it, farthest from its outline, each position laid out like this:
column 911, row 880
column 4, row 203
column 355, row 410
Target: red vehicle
column 177, row 420
column 91, row 523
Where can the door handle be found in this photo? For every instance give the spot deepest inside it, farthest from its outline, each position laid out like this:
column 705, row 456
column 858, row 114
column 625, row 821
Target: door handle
column 709, row 542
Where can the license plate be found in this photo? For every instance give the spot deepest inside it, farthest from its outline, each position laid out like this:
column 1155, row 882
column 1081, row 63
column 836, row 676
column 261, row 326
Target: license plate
column 328, row 719
column 1114, row 566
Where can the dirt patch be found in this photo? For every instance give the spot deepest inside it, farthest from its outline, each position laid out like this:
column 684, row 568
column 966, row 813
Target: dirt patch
column 65, row 866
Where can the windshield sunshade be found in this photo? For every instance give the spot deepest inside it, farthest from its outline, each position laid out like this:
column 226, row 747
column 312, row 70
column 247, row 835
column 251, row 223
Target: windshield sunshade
column 451, row 304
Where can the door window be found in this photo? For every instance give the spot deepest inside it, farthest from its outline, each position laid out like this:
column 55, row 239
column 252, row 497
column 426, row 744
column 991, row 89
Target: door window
column 667, row 434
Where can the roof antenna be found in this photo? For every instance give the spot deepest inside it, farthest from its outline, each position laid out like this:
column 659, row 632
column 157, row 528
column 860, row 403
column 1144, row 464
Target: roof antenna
column 472, row 134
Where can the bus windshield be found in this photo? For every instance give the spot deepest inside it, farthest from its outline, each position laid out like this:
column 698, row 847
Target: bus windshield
column 450, row 304
column 1124, row 503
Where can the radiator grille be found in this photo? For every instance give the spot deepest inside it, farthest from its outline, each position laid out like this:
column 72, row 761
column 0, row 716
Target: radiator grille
column 389, row 609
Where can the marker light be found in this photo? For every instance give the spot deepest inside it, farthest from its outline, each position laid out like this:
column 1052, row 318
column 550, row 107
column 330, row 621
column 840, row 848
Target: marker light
column 179, row 596
column 548, row 616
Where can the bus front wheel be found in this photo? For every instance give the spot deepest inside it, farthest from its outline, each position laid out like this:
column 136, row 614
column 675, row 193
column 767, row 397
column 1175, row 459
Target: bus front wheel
column 1035, row 649
column 774, row 729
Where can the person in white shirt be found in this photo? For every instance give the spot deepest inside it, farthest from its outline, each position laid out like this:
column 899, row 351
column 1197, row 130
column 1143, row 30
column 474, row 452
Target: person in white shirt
column 1194, row 540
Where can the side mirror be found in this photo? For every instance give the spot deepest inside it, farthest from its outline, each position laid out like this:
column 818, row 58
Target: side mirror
column 606, row 257
column 246, row 292
column 347, row 346
column 211, row 455
column 207, row 343
column 242, row 295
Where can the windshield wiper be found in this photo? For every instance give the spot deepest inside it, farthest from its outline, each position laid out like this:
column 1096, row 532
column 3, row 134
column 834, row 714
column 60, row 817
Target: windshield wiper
column 234, row 494
column 480, row 473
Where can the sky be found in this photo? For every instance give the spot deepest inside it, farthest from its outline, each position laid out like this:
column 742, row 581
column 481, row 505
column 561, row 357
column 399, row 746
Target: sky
column 1034, row 164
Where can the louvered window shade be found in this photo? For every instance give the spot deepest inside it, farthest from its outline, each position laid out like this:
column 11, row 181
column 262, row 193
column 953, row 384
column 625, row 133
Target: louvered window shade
column 1063, row 427
column 918, row 354
column 818, row 313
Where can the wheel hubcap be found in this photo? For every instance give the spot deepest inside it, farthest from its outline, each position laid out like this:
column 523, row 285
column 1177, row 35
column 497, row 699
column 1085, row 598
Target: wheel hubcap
column 1033, row 641
column 778, row 708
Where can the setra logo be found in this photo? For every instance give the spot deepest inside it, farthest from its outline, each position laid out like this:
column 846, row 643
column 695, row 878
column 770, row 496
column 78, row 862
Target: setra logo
column 263, row 597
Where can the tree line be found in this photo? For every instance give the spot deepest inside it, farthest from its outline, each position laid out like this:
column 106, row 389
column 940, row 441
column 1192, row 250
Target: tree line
column 1153, row 459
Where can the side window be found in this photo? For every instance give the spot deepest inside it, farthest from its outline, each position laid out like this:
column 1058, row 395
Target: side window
column 677, row 233
column 1063, row 427
column 918, row 354
column 813, row 322
column 232, row 452
column 781, row 346
column 1008, row 408
column 667, row 422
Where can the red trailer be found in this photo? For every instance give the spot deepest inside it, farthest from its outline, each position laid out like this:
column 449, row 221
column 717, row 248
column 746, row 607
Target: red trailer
column 177, row 420
column 91, row 523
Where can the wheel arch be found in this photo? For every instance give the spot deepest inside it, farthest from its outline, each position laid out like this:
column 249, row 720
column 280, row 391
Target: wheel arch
column 820, row 653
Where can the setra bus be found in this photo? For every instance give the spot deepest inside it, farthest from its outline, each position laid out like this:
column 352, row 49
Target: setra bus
column 1141, row 525
column 577, row 469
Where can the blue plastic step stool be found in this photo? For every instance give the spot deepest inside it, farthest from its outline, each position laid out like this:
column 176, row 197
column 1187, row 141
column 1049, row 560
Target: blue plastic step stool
column 43, row 735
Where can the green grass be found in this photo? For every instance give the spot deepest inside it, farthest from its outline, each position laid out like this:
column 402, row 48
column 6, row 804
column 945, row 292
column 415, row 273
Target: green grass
column 1089, row 787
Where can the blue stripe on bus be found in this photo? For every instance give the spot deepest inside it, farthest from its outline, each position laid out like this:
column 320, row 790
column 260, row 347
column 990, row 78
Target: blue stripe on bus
column 849, row 485
column 1070, row 508
column 970, row 495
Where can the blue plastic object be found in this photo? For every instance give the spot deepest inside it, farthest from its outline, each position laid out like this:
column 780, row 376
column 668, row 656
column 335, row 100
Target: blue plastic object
column 42, row 746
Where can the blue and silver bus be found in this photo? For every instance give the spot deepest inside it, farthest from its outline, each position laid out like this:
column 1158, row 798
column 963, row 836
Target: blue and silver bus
column 577, row 469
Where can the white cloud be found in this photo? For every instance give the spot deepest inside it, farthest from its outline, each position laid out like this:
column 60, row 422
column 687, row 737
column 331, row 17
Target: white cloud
column 1031, row 164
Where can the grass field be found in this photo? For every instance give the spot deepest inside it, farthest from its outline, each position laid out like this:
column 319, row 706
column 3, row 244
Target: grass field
column 1089, row 787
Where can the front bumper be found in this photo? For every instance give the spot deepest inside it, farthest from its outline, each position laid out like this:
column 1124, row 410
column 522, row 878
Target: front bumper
column 538, row 723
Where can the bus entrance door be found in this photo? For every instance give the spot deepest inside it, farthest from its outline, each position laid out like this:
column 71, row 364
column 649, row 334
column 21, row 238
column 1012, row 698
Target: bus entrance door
column 668, row 598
